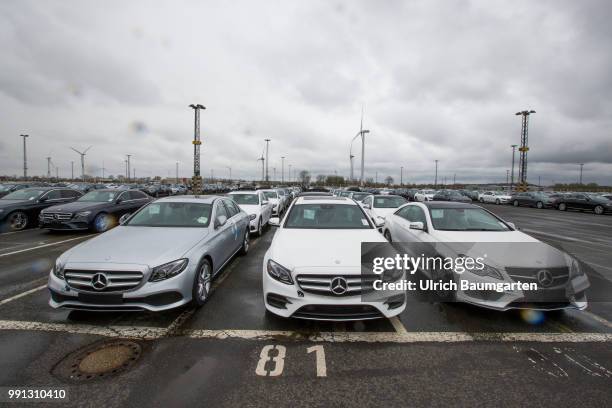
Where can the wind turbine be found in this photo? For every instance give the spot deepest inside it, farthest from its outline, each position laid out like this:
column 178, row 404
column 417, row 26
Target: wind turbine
column 82, row 160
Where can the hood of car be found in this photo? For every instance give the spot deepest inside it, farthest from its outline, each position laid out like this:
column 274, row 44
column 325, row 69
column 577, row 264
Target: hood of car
column 151, row 246
column 76, row 206
column 250, row 209
column 481, row 236
column 303, row 249
column 383, row 212
column 14, row 203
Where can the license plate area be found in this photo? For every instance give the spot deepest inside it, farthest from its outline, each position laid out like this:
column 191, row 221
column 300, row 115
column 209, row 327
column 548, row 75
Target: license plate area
column 101, row 299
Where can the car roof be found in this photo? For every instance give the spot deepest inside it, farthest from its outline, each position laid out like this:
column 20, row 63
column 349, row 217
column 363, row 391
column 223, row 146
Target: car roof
column 447, row 204
column 244, row 192
column 204, row 199
column 324, row 200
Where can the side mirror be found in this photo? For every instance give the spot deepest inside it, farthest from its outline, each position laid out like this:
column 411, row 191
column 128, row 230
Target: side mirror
column 124, row 219
column 220, row 221
column 417, row 226
column 119, row 201
column 379, row 222
column 43, row 199
column 266, row 202
column 367, row 206
column 511, row 224
column 274, row 222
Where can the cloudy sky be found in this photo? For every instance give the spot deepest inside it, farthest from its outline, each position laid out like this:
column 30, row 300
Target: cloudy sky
column 437, row 80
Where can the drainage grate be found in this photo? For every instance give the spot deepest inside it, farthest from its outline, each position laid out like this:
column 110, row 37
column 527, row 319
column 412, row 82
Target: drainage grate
column 99, row 360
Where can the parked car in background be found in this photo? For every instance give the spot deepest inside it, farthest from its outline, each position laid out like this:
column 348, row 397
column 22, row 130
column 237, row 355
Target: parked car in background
column 98, row 210
column 20, row 209
column 164, row 256
column 275, row 199
column 256, row 205
column 378, row 207
column 451, row 195
column 584, row 202
column 608, row 196
column 424, row 195
column 10, row 187
column 536, row 199
column 359, row 196
column 496, row 197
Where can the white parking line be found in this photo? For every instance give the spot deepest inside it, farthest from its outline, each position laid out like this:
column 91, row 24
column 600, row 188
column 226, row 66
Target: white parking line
column 44, row 246
column 27, row 292
column 152, row 333
column 397, row 325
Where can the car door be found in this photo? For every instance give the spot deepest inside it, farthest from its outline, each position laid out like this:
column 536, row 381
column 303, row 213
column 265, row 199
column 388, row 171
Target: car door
column 581, row 202
column 223, row 234
column 266, row 208
column 237, row 226
column 137, row 200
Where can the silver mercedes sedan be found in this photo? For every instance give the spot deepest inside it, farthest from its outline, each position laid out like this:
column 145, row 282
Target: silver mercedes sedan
column 163, row 256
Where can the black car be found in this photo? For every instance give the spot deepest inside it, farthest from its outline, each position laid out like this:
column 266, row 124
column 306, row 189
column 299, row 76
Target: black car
column 97, row 210
column 581, row 201
column 451, row 195
column 20, row 208
column 536, row 199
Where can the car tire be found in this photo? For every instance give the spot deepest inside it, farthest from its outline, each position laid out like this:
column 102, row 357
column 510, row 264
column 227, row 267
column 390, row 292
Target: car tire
column 387, row 236
column 202, row 282
column 17, row 221
column 540, row 205
column 481, row 200
column 562, row 207
column 497, row 201
column 244, row 249
column 101, row 223
column 259, row 228
column 599, row 210
column 515, row 203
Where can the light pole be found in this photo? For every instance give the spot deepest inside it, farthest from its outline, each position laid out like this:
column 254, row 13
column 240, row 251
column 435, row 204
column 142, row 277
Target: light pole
column 128, row 167
column 436, row 177
column 581, row 166
column 282, row 169
column 289, row 173
column 230, row 172
column 177, row 163
column 72, row 170
column 274, row 173
column 363, row 133
column 512, row 172
column 196, row 184
column 524, row 148
column 507, row 179
column 25, row 157
column 267, row 161
column 401, row 176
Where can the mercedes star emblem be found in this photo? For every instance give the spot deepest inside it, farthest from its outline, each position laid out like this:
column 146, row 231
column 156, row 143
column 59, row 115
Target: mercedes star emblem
column 545, row 278
column 339, row 286
column 99, row 281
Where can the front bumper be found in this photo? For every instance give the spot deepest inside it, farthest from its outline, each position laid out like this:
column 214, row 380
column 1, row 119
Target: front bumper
column 289, row 301
column 150, row 296
column 74, row 224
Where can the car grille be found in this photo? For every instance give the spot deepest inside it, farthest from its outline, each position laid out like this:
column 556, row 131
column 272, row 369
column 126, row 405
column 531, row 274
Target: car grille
column 322, row 284
column 337, row 312
column 116, row 281
column 57, row 216
column 560, row 275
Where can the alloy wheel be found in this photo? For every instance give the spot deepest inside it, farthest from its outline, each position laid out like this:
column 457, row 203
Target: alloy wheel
column 18, row 221
column 598, row 210
column 204, row 279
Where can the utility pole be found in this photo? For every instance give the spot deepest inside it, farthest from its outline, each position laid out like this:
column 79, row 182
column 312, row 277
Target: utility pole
column 103, row 169
column 196, row 183
column 507, row 179
column 283, row 169
column 524, row 148
column 56, row 174
column 72, row 170
column 134, row 171
column 436, row 177
column 267, row 161
column 289, row 173
column 25, row 158
column 401, row 176
column 274, row 173
column 212, row 176
column 128, row 167
column 512, row 173
column 230, row 172
column 177, row 172
column 376, row 180
column 48, row 168
column 581, row 166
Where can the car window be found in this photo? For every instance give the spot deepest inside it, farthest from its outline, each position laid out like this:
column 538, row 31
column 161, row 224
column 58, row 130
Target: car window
column 221, row 211
column 172, row 214
column 137, row 195
column 270, row 194
column 465, row 219
column 327, row 216
column 231, row 208
column 53, row 195
column 70, row 194
column 245, row 199
column 403, row 212
column 388, row 202
column 416, row 214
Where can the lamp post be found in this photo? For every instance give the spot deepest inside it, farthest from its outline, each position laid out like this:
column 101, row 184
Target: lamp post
column 401, row 176
column 512, row 172
column 25, row 157
column 436, row 176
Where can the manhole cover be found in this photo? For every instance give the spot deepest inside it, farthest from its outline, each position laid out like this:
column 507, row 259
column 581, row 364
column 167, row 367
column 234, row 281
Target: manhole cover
column 98, row 361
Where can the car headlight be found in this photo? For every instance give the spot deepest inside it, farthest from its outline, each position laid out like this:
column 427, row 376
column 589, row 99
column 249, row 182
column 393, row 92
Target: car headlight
column 168, row 270
column 58, row 269
column 279, row 272
column 83, row 213
column 252, row 217
column 575, row 268
column 487, row 271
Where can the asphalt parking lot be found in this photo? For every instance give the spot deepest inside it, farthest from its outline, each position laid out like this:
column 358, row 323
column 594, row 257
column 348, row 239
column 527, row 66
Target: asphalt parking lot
column 230, row 352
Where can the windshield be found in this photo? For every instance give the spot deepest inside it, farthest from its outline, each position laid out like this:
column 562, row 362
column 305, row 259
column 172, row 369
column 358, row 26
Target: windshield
column 246, row 199
column 171, row 214
column 428, row 192
column 270, row 194
column 99, row 196
column 327, row 216
column 465, row 219
column 360, row 196
column 5, row 187
column 388, row 202
column 24, row 195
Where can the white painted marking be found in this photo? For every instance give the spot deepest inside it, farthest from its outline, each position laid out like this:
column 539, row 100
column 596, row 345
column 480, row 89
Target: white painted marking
column 44, row 246
column 320, row 356
column 27, row 292
column 397, row 325
column 278, row 360
column 369, row 337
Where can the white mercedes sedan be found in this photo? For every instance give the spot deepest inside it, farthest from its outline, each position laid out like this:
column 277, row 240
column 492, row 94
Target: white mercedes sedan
column 510, row 257
column 312, row 269
column 256, row 205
